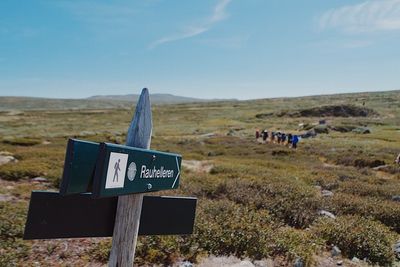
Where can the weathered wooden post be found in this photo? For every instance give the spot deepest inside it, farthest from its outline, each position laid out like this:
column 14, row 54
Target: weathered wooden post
column 129, row 207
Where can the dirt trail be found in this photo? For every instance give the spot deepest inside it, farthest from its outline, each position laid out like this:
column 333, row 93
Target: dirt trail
column 204, row 166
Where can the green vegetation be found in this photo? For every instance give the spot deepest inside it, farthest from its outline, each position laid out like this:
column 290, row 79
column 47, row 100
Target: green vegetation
column 12, row 221
column 359, row 237
column 255, row 200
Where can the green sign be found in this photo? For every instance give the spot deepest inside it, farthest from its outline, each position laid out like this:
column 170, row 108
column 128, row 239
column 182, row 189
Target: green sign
column 79, row 166
column 138, row 170
column 122, row 170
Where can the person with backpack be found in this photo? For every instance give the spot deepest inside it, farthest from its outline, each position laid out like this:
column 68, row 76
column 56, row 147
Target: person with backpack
column 273, row 137
column 295, row 141
column 265, row 136
column 289, row 139
column 279, row 137
column 283, row 138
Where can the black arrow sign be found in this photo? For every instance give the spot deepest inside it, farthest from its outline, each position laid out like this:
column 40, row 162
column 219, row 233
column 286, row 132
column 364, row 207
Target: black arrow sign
column 54, row 216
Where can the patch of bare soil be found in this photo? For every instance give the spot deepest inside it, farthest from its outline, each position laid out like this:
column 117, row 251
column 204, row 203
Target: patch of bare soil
column 204, row 166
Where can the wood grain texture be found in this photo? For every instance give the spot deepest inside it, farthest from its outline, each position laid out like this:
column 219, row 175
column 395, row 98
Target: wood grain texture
column 129, row 207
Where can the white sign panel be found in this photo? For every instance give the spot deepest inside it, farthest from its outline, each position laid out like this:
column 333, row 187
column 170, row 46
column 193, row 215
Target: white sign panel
column 116, row 170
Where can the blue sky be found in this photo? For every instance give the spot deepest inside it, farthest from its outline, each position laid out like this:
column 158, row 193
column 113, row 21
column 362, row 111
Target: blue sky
column 241, row 49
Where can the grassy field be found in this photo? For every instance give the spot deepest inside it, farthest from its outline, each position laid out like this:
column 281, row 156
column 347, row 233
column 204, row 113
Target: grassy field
column 255, row 200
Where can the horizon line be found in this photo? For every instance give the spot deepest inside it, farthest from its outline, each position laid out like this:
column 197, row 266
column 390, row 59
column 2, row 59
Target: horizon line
column 210, row 99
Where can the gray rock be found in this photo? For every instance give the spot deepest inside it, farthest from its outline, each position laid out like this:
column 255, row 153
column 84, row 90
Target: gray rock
column 326, row 193
column 362, row 130
column 264, row 263
column 339, row 263
column 39, row 179
column 397, row 248
column 208, row 135
column 396, row 198
column 381, row 168
column 185, row 264
column 244, row 263
column 327, row 214
column 4, row 159
column 355, row 259
column 298, row 263
column 223, row 261
column 5, row 153
column 335, row 251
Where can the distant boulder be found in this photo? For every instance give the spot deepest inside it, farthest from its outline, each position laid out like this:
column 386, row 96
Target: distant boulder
column 308, row 134
column 6, row 157
column 362, row 130
column 323, row 128
column 328, row 214
column 335, row 251
column 326, row 193
column 39, row 180
column 396, row 198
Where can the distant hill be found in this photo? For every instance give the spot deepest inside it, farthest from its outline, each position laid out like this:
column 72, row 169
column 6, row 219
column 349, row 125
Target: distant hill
column 36, row 103
column 292, row 104
column 156, row 98
column 94, row 102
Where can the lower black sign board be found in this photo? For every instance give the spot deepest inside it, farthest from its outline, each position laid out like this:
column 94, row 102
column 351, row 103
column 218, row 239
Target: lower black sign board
column 54, row 216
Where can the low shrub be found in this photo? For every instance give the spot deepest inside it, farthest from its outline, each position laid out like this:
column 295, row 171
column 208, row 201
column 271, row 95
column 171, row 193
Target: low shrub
column 159, row 249
column 22, row 169
column 296, row 244
column 387, row 212
column 22, row 141
column 280, row 152
column 12, row 221
column 360, row 162
column 358, row 237
column 225, row 228
column 291, row 201
column 101, row 251
column 384, row 191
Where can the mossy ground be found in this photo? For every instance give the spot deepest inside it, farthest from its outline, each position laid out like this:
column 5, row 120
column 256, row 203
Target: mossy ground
column 258, row 200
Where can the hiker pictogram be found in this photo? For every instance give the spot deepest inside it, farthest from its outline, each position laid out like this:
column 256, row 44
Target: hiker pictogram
column 117, row 169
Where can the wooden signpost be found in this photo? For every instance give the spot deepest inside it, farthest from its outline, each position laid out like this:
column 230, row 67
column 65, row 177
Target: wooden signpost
column 117, row 169
column 102, row 193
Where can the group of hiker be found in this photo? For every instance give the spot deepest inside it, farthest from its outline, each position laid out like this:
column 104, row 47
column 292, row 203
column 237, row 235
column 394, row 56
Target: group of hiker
column 278, row 137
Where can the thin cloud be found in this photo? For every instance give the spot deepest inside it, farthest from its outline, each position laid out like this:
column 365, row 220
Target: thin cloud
column 219, row 14
column 341, row 43
column 368, row 16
